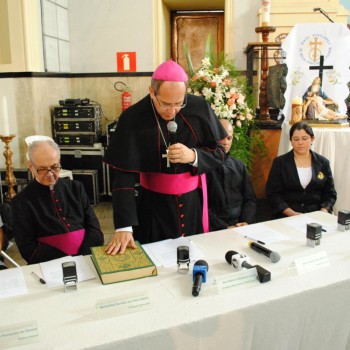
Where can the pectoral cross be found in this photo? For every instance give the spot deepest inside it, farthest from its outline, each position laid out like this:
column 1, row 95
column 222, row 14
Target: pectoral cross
column 166, row 155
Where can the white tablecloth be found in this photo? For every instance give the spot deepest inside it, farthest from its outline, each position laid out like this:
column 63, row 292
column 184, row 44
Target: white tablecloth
column 307, row 311
column 334, row 144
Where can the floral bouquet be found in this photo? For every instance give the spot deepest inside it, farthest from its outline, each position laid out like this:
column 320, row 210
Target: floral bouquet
column 227, row 96
column 222, row 90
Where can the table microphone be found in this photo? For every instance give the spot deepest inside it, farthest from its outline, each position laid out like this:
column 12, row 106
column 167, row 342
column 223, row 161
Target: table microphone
column 237, row 260
column 200, row 269
column 240, row 260
column 273, row 256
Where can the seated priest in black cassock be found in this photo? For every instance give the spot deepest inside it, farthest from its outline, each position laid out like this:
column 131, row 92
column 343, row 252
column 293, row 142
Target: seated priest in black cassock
column 170, row 163
column 52, row 217
column 231, row 197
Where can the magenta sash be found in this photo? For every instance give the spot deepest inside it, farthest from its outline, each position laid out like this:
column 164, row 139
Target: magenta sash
column 178, row 184
column 69, row 242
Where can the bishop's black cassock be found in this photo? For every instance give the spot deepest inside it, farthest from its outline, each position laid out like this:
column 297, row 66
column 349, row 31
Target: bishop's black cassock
column 137, row 146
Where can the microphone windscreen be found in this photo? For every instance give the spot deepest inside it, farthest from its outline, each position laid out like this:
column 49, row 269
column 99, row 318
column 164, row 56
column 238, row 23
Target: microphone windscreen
column 229, row 255
column 202, row 263
column 172, row 127
column 275, row 257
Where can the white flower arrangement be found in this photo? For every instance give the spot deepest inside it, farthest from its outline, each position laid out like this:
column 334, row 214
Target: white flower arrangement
column 222, row 91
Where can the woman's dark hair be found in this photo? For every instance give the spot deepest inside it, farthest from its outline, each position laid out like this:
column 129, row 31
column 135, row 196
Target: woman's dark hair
column 301, row 126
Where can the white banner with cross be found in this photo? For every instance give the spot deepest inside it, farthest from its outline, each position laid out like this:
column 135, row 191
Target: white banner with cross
column 317, row 50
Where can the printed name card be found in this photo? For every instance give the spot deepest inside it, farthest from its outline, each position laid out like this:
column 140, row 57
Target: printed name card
column 238, row 279
column 311, row 262
column 19, row 334
column 123, row 304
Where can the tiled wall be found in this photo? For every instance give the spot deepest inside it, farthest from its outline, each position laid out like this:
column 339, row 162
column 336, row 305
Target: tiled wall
column 36, row 96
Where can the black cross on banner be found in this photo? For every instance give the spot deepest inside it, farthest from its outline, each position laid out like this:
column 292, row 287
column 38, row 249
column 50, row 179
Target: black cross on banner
column 321, row 67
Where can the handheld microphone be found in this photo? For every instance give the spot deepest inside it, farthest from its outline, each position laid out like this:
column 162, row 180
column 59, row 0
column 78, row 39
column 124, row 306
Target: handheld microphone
column 273, row 256
column 240, row 260
column 200, row 269
column 172, row 128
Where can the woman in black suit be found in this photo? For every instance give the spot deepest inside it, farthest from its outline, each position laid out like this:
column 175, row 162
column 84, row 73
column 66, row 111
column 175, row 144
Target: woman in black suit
column 301, row 180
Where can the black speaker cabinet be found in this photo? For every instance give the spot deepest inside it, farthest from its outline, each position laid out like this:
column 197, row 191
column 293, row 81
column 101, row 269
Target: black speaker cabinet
column 86, row 158
column 89, row 178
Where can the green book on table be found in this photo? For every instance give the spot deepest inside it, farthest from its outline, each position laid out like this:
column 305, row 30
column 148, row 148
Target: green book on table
column 133, row 264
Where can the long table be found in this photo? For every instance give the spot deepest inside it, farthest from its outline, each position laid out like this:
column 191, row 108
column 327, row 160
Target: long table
column 292, row 311
column 334, row 144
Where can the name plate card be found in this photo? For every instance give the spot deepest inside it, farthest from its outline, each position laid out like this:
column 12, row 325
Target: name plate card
column 235, row 280
column 123, row 304
column 311, row 262
column 19, row 334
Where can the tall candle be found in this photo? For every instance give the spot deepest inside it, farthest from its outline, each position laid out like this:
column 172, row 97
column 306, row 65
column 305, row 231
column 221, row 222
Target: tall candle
column 5, row 129
column 265, row 18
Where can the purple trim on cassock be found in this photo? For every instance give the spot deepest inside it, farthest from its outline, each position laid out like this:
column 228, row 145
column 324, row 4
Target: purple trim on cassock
column 178, row 184
column 69, row 242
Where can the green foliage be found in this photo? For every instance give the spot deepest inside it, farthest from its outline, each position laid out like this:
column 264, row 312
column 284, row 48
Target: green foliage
column 228, row 94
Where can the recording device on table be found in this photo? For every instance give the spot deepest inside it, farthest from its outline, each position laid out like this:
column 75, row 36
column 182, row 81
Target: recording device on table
column 240, row 261
column 183, row 259
column 200, row 269
column 70, row 277
column 273, row 256
column 313, row 234
column 344, row 220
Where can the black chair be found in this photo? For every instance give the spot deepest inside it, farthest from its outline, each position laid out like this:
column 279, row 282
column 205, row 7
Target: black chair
column 6, row 217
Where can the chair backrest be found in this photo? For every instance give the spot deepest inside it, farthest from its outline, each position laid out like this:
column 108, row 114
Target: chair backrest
column 6, row 217
column 29, row 139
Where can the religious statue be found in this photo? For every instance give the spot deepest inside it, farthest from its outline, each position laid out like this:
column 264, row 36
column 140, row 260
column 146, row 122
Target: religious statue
column 297, row 110
column 277, row 85
column 347, row 101
column 317, row 105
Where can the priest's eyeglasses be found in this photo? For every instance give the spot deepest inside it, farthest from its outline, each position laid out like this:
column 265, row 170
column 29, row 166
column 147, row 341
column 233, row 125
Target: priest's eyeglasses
column 177, row 106
column 54, row 170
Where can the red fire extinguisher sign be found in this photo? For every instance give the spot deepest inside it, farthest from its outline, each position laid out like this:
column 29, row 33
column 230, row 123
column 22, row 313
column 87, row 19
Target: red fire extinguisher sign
column 126, row 61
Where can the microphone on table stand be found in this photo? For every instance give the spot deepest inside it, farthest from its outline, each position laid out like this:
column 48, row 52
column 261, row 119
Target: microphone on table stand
column 240, row 261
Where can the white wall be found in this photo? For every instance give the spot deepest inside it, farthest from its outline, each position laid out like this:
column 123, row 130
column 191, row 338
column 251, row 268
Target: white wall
column 244, row 23
column 100, row 28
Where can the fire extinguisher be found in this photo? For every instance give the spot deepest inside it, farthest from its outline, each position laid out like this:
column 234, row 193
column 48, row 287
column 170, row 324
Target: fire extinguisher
column 126, row 94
